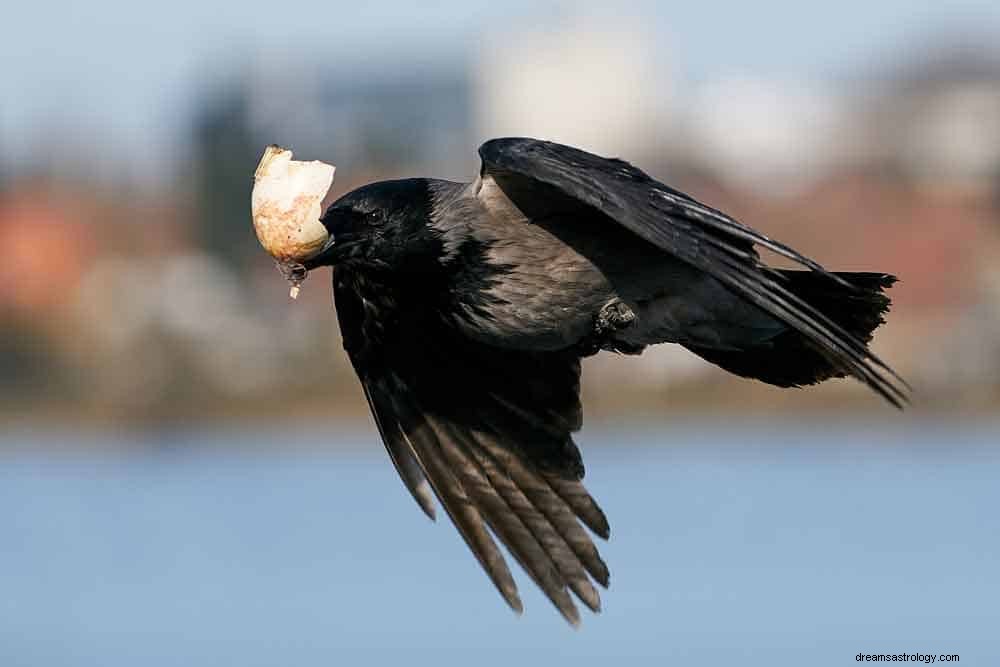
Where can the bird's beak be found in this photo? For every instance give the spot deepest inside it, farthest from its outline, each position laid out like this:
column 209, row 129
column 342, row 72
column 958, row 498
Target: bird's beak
column 296, row 272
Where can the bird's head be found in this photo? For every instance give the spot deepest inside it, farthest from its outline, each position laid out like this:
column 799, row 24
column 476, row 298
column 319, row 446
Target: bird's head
column 384, row 227
column 384, row 224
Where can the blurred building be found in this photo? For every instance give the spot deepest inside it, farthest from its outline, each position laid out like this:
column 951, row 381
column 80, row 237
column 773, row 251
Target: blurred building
column 770, row 136
column 940, row 120
column 597, row 81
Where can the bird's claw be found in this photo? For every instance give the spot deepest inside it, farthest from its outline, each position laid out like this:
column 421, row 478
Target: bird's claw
column 615, row 316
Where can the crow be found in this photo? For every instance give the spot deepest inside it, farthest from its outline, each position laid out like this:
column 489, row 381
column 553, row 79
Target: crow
column 466, row 308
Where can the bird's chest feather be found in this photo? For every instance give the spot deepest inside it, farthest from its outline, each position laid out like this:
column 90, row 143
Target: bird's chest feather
column 533, row 291
column 368, row 311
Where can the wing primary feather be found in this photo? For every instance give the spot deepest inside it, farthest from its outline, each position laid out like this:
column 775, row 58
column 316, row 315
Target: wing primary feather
column 724, row 254
column 773, row 290
column 582, row 504
column 723, row 223
column 546, row 500
column 507, row 523
column 403, row 458
column 769, row 294
column 769, row 284
column 775, row 299
column 546, row 532
column 455, row 500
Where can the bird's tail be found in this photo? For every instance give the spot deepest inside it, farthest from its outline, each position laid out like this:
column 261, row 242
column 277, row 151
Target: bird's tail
column 790, row 359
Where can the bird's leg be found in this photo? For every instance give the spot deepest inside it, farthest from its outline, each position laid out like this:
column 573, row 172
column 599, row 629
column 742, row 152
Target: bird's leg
column 615, row 316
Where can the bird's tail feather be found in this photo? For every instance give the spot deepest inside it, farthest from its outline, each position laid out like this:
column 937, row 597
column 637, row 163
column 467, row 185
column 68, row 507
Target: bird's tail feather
column 790, row 359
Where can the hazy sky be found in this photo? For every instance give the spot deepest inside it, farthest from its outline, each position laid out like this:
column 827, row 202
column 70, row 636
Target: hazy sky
column 124, row 73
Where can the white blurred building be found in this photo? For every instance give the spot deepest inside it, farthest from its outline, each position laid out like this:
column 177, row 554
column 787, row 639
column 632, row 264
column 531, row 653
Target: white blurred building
column 597, row 83
column 949, row 135
column 767, row 135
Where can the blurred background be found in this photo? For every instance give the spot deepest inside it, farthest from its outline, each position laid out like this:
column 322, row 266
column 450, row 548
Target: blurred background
column 188, row 471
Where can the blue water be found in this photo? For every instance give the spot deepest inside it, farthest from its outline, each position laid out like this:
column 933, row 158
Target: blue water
column 743, row 543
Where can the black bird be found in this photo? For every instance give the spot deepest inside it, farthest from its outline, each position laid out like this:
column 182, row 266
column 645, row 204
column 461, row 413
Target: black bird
column 465, row 309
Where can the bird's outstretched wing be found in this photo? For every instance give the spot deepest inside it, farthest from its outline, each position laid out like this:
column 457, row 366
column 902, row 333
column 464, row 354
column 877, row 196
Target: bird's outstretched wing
column 489, row 430
column 687, row 229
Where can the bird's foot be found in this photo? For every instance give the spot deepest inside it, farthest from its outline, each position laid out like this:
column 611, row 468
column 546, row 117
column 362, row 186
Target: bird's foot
column 612, row 318
column 615, row 316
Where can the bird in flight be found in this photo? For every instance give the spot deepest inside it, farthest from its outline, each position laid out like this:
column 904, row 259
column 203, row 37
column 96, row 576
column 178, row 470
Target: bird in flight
column 465, row 309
